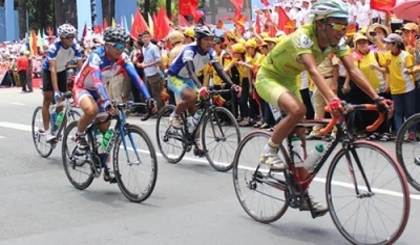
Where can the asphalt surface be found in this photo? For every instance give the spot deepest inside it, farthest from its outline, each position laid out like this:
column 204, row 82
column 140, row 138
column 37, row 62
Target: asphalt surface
column 191, row 204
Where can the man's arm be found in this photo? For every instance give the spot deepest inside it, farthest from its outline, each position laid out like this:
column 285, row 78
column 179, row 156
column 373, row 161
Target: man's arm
column 53, row 71
column 357, row 76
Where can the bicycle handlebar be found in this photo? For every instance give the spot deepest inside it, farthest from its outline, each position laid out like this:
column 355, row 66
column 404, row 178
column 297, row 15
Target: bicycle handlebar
column 350, row 107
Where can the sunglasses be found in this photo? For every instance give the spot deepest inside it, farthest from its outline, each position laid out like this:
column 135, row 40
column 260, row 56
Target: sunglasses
column 338, row 27
column 69, row 37
column 118, row 46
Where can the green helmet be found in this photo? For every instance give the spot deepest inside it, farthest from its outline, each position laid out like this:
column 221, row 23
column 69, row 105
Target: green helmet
column 329, row 8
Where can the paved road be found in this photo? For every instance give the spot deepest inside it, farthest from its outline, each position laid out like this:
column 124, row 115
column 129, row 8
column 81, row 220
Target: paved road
column 191, row 204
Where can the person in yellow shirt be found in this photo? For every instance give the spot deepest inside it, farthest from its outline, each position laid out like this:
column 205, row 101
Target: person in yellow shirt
column 372, row 64
column 399, row 64
column 177, row 41
column 245, row 73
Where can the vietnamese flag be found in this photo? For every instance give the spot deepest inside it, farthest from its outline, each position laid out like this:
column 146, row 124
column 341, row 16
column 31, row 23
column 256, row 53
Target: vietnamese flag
column 265, row 2
column 139, row 25
column 187, row 7
column 238, row 4
column 220, row 24
column 383, row 5
column 258, row 24
column 182, row 21
column 105, row 24
column 162, row 21
column 285, row 24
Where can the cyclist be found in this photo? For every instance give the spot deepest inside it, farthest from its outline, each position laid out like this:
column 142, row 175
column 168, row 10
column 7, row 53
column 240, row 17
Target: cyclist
column 104, row 63
column 183, row 80
column 54, row 71
column 303, row 50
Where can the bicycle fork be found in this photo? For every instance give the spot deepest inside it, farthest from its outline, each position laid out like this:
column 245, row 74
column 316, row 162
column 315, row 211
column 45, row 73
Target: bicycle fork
column 359, row 194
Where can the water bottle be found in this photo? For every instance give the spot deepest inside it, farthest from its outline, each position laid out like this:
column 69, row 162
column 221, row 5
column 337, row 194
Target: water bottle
column 190, row 123
column 313, row 157
column 53, row 117
column 59, row 119
column 107, row 138
column 99, row 138
column 297, row 149
column 197, row 116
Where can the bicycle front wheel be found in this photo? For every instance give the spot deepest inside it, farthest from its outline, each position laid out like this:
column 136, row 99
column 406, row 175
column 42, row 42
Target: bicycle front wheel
column 408, row 150
column 220, row 137
column 135, row 164
column 169, row 140
column 41, row 145
column 367, row 194
column 79, row 174
column 258, row 191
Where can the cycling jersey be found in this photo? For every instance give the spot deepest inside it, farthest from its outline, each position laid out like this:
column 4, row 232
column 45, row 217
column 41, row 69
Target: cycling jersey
column 61, row 55
column 191, row 53
column 284, row 59
column 279, row 70
column 99, row 69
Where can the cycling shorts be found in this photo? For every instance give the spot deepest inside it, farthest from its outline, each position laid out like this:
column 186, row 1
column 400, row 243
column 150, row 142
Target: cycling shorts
column 178, row 84
column 80, row 93
column 270, row 87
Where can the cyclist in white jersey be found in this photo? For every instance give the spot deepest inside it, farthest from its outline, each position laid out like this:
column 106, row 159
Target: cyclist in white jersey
column 53, row 73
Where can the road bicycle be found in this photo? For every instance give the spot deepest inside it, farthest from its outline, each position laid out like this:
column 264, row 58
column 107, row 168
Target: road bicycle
column 44, row 147
column 133, row 156
column 408, row 149
column 217, row 127
column 366, row 189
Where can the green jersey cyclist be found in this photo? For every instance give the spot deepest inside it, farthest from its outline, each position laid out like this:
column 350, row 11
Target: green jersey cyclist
column 304, row 50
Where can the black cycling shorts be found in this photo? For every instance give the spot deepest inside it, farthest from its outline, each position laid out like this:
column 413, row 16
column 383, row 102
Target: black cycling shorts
column 61, row 80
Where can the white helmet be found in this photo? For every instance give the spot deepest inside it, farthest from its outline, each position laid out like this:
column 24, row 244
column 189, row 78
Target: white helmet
column 329, row 8
column 66, row 30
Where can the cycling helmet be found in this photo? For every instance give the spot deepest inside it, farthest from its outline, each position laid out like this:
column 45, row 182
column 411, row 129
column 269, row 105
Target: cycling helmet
column 329, row 8
column 203, row 31
column 66, row 30
column 116, row 35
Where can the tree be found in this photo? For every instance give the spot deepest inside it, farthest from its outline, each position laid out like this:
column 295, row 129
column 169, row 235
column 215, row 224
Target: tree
column 22, row 18
column 108, row 10
column 65, row 12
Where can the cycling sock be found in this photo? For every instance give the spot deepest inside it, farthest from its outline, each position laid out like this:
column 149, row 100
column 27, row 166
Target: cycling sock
column 270, row 147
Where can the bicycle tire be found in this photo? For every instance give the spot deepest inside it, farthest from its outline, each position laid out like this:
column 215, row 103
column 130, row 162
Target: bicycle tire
column 400, row 177
column 217, row 111
column 256, row 215
column 36, row 137
column 151, row 185
column 66, row 160
column 165, row 112
column 413, row 120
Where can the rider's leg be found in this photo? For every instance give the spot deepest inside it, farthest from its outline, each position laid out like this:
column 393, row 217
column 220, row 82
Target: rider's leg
column 90, row 110
column 189, row 97
column 48, row 97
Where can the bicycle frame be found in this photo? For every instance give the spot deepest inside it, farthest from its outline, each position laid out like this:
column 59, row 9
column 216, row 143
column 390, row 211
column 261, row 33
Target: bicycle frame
column 67, row 109
column 120, row 128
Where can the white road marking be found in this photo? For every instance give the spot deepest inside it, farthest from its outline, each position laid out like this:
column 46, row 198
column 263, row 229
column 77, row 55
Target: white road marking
column 28, row 128
column 1, row 137
column 16, row 126
column 17, row 103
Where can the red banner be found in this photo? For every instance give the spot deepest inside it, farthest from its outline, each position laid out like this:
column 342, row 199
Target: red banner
column 383, row 5
column 188, row 7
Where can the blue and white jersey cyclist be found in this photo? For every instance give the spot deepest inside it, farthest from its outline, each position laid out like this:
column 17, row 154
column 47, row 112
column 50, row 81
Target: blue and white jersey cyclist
column 183, row 80
column 104, row 63
column 54, row 74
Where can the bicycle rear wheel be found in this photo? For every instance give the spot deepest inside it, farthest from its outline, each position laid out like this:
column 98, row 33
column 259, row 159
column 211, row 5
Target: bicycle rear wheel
column 136, row 167
column 220, row 138
column 79, row 174
column 377, row 215
column 41, row 145
column 169, row 139
column 408, row 150
column 259, row 192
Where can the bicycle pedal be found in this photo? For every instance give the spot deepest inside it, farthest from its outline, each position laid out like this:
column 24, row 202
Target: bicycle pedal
column 199, row 153
column 319, row 214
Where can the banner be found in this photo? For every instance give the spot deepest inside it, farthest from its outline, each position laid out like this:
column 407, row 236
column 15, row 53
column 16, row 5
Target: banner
column 383, row 5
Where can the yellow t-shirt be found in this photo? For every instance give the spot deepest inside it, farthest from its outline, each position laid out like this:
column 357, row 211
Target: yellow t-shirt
column 225, row 62
column 375, row 77
column 399, row 82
